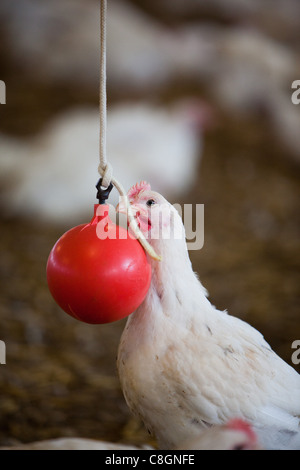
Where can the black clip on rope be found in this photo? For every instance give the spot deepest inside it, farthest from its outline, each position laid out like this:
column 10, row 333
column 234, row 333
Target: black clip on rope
column 103, row 193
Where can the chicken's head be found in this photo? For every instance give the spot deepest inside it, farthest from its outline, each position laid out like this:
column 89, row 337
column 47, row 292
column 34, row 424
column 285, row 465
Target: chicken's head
column 156, row 217
column 237, row 434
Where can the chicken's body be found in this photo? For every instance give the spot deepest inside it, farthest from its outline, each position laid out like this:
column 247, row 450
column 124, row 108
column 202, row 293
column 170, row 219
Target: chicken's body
column 184, row 365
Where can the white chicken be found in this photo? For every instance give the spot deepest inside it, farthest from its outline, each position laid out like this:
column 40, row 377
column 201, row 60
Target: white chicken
column 144, row 56
column 235, row 435
column 183, row 364
column 71, row 443
column 53, row 176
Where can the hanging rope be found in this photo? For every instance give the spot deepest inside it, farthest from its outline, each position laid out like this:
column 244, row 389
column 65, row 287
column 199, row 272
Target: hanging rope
column 105, row 169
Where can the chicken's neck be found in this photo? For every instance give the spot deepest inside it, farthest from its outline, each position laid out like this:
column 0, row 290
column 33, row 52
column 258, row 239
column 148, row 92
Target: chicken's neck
column 174, row 285
column 175, row 265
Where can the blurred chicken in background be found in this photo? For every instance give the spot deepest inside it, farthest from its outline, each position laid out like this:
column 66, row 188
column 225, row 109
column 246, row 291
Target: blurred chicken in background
column 234, row 435
column 53, row 176
column 238, row 58
column 244, row 68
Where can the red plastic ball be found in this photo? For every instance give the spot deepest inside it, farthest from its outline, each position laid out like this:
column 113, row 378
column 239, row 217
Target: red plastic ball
column 96, row 272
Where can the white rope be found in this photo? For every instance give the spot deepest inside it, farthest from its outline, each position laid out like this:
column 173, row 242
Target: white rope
column 105, row 169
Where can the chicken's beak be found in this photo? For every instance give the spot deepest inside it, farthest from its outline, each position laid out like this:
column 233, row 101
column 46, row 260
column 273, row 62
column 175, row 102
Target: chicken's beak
column 139, row 214
column 121, row 207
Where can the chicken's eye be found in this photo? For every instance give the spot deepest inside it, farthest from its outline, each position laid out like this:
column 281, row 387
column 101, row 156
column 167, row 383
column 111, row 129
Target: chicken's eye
column 150, row 202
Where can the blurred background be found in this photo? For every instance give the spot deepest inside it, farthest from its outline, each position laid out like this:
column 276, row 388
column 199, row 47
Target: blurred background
column 199, row 97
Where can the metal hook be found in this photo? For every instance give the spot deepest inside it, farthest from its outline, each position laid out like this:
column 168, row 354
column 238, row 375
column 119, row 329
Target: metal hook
column 103, row 193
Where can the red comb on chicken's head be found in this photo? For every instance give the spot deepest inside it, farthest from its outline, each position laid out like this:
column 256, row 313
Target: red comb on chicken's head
column 137, row 188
